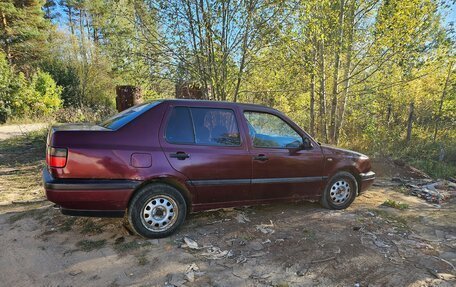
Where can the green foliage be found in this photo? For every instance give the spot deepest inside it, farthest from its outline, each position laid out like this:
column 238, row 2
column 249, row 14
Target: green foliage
column 19, row 97
column 83, row 114
column 24, row 33
column 395, row 204
column 43, row 95
column 7, row 87
column 347, row 71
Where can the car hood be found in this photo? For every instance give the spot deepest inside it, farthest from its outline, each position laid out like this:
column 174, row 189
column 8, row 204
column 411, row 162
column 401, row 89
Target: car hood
column 332, row 150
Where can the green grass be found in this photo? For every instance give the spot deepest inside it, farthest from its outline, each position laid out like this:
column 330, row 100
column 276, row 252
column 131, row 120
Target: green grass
column 142, row 259
column 90, row 245
column 68, row 224
column 395, row 204
column 436, row 169
column 37, row 214
column 399, row 222
column 89, row 226
column 124, row 247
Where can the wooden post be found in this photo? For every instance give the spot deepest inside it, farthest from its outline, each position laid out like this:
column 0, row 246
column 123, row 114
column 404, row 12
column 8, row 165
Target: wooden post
column 127, row 96
column 189, row 91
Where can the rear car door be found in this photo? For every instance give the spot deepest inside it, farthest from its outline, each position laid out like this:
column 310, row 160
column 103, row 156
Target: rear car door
column 282, row 168
column 205, row 144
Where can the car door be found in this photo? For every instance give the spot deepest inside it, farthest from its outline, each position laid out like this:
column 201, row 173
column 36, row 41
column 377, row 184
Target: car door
column 285, row 162
column 205, row 144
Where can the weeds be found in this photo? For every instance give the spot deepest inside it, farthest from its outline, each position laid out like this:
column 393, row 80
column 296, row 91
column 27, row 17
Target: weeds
column 90, row 245
column 37, row 214
column 68, row 224
column 398, row 221
column 89, row 226
column 142, row 259
column 309, row 234
column 395, row 204
column 124, row 247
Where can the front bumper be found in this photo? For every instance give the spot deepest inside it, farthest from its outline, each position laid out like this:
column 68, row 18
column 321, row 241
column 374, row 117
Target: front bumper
column 367, row 179
column 89, row 197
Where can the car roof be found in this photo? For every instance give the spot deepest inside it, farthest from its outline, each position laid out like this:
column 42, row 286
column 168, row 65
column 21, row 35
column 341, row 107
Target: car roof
column 245, row 106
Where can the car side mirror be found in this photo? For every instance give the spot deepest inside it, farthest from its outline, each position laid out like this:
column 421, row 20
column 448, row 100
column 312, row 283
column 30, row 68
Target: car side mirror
column 306, row 144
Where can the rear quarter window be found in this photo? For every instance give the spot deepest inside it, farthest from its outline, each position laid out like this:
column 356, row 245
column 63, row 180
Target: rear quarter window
column 121, row 119
column 180, row 128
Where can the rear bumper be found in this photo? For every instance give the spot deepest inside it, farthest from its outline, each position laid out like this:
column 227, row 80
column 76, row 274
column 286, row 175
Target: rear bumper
column 367, row 179
column 89, row 197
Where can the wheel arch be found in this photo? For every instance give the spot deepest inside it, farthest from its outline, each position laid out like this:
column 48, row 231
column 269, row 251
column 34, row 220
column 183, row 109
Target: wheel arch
column 181, row 187
column 350, row 169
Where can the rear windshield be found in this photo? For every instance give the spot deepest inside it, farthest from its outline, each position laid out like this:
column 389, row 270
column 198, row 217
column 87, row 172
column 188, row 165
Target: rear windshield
column 127, row 116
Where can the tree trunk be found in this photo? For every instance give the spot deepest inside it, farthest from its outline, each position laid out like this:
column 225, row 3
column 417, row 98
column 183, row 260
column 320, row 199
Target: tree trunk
column 347, row 76
column 7, row 46
column 195, row 48
column 410, row 123
column 388, row 114
column 442, row 98
column 70, row 19
column 244, row 51
column 312, row 92
column 322, row 110
column 332, row 129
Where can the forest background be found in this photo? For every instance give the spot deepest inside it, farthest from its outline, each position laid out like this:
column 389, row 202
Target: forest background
column 373, row 75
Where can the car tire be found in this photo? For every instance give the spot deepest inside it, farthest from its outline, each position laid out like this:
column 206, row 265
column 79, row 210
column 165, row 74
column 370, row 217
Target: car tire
column 340, row 191
column 156, row 210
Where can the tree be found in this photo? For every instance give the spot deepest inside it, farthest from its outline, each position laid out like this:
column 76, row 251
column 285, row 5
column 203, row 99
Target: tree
column 23, row 33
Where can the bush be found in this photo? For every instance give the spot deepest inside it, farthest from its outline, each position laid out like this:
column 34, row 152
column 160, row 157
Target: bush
column 83, row 114
column 45, row 94
column 19, row 97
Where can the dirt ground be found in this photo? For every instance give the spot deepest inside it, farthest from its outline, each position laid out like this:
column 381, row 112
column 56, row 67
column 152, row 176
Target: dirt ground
column 294, row 244
column 8, row 131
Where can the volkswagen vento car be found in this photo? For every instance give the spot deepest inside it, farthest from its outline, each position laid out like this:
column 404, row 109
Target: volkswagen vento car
column 158, row 161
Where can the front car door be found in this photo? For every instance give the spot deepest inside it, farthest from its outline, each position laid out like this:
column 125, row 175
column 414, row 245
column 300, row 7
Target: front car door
column 282, row 168
column 205, row 144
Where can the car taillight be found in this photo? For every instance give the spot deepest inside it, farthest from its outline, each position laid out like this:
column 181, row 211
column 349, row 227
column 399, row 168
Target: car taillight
column 56, row 157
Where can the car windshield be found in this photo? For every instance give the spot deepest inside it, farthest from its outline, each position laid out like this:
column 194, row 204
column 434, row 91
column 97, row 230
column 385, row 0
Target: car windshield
column 122, row 118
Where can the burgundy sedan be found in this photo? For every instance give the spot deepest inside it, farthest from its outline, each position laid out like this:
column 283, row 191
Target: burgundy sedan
column 160, row 160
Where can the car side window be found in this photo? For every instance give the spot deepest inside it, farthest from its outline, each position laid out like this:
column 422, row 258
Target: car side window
column 203, row 126
column 215, row 127
column 270, row 131
column 180, row 128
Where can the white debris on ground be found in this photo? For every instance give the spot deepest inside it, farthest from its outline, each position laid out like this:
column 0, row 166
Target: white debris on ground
column 211, row 252
column 266, row 228
column 242, row 218
column 190, row 243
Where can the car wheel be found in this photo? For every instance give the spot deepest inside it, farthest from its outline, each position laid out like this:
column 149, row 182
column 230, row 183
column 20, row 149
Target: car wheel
column 157, row 210
column 340, row 191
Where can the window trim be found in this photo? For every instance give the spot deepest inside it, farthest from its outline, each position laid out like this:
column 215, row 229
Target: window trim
column 275, row 115
column 194, row 129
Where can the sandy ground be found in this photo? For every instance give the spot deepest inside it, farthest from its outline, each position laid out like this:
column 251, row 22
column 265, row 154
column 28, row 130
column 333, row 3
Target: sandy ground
column 8, row 131
column 298, row 244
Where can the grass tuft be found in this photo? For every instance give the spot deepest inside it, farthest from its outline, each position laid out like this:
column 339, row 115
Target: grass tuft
column 142, row 259
column 395, row 204
column 89, row 245
column 89, row 226
column 124, row 247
